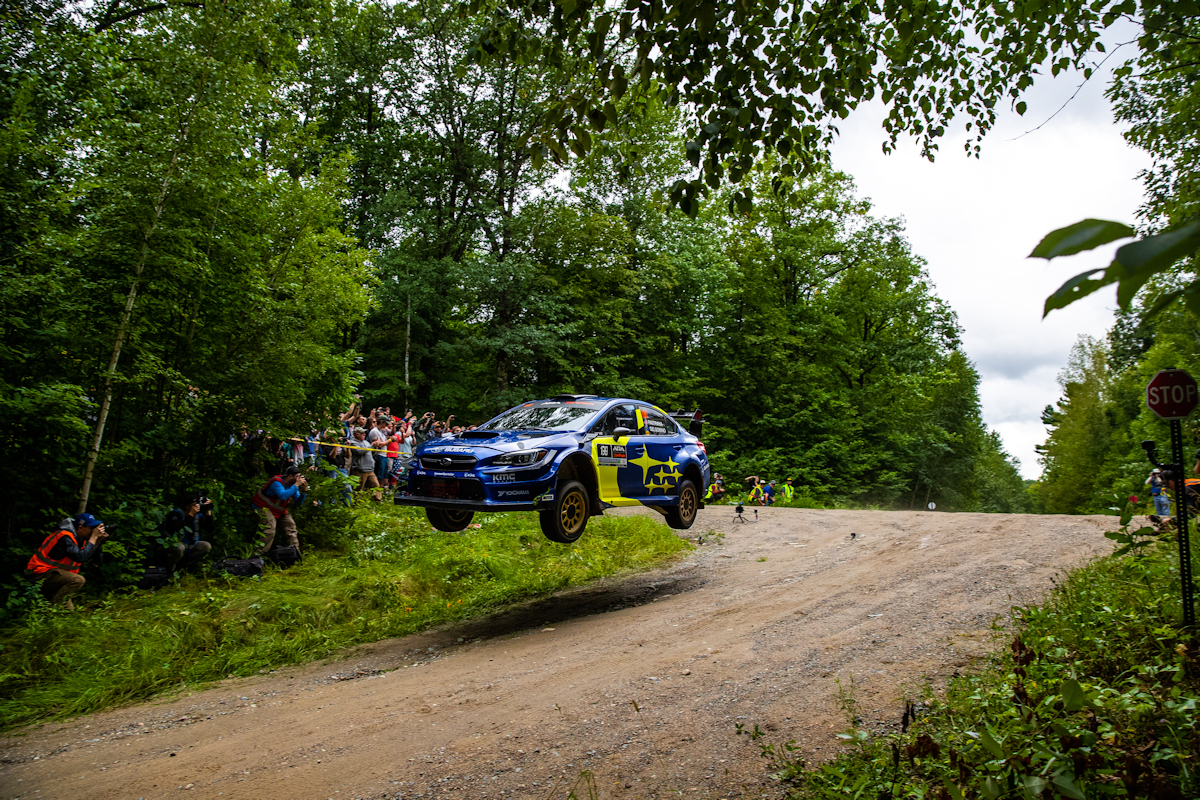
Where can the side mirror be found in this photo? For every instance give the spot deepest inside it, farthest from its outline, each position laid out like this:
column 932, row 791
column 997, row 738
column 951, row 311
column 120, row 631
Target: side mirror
column 619, row 432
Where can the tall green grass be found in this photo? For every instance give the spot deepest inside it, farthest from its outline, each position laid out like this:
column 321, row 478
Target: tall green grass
column 1094, row 694
column 394, row 576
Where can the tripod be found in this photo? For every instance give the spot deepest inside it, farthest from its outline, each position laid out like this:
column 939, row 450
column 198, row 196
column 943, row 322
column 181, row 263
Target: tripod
column 738, row 512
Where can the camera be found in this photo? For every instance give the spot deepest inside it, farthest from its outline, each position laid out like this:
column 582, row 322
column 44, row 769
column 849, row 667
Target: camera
column 206, row 505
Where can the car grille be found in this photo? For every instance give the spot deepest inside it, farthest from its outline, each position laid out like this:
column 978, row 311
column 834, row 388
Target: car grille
column 446, row 488
column 449, row 462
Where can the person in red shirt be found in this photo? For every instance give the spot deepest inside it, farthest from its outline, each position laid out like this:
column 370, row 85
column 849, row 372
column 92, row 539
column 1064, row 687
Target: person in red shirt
column 56, row 563
column 393, row 453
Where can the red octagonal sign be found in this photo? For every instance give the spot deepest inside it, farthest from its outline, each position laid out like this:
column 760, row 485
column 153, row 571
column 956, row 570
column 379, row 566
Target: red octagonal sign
column 1172, row 394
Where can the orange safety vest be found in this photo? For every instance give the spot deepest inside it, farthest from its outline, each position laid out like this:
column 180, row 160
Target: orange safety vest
column 41, row 561
column 273, row 504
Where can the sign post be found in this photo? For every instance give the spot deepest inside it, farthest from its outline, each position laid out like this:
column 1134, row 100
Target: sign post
column 1172, row 394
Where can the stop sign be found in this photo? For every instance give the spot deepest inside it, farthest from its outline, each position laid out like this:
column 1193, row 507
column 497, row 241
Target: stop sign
column 1172, row 394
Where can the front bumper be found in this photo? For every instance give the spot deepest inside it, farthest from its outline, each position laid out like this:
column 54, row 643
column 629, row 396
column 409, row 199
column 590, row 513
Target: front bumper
column 467, row 505
column 477, row 490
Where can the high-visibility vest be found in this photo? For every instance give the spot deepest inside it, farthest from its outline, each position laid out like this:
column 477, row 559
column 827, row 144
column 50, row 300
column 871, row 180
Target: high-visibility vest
column 42, row 562
column 273, row 504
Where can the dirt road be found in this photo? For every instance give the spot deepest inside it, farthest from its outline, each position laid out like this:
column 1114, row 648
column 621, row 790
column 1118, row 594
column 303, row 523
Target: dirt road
column 638, row 682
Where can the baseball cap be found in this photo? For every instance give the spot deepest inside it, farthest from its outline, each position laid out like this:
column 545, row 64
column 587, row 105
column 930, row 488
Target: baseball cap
column 292, row 470
column 1156, row 469
column 87, row 521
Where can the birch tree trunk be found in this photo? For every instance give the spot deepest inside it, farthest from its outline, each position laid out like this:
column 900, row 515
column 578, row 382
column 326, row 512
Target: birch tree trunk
column 123, row 331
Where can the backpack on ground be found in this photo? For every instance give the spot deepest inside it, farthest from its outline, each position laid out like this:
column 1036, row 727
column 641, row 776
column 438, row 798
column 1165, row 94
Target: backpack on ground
column 284, row 557
column 154, row 578
column 241, row 567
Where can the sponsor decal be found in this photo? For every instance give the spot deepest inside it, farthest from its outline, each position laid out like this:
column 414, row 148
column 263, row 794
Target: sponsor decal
column 449, row 450
column 611, row 455
column 504, row 477
column 445, row 475
column 515, row 493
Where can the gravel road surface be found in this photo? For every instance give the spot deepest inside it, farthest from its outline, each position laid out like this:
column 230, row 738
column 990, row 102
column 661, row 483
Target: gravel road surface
column 631, row 688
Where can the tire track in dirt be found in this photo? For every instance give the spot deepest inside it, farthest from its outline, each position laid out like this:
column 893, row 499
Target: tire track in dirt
column 639, row 681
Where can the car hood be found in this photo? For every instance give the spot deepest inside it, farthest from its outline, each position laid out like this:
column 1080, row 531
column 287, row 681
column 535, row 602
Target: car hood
column 502, row 442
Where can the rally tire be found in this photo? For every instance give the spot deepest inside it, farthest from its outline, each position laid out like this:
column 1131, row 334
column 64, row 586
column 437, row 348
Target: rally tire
column 683, row 515
column 565, row 520
column 449, row 520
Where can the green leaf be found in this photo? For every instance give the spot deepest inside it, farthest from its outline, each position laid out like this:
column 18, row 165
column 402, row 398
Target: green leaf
column 1034, row 786
column 952, row 788
column 990, row 744
column 1072, row 695
column 1076, row 288
column 1066, row 786
column 1156, row 253
column 1086, row 235
column 1161, row 303
column 1139, row 261
column 991, row 789
column 1126, row 514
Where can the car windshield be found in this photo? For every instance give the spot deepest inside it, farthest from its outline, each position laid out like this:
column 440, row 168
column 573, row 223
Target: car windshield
column 572, row 416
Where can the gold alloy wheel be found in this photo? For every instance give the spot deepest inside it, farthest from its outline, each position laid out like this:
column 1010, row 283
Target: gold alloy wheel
column 687, row 503
column 572, row 512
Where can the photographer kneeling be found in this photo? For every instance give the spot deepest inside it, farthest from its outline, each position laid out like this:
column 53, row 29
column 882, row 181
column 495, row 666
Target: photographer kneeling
column 56, row 563
column 192, row 519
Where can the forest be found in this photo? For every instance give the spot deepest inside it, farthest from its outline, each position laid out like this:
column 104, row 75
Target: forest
column 232, row 217
column 1092, row 458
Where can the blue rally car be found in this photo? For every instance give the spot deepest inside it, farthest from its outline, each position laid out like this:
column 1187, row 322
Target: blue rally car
column 568, row 457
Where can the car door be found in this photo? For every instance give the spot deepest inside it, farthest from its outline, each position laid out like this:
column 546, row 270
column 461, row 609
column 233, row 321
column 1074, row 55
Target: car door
column 619, row 481
column 662, row 459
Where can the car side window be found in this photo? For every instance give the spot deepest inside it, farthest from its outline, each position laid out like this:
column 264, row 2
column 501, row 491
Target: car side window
column 658, row 424
column 619, row 417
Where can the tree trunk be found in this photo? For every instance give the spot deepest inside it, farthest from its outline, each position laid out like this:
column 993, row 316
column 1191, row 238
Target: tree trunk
column 123, row 332
column 407, row 347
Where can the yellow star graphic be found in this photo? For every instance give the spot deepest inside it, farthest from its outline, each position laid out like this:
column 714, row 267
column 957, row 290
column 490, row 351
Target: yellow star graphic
column 663, row 479
column 647, row 463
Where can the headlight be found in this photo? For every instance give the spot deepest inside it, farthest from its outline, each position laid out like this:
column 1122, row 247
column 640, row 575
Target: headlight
column 521, row 459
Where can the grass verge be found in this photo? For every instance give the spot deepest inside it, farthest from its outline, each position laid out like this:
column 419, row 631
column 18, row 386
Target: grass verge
column 394, row 576
column 1095, row 696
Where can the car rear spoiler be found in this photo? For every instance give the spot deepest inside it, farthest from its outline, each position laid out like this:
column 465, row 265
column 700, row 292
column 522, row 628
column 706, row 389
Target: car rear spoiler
column 692, row 420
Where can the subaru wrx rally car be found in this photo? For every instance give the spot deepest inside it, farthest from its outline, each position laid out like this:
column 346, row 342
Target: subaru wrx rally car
column 568, row 457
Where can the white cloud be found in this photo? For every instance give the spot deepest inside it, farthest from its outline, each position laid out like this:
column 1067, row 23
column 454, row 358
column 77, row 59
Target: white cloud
column 976, row 220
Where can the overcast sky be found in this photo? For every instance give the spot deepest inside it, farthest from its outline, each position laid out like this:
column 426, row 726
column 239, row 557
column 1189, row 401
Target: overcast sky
column 975, row 222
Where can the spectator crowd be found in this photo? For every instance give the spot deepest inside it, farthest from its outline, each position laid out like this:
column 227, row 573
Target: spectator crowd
column 372, row 449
